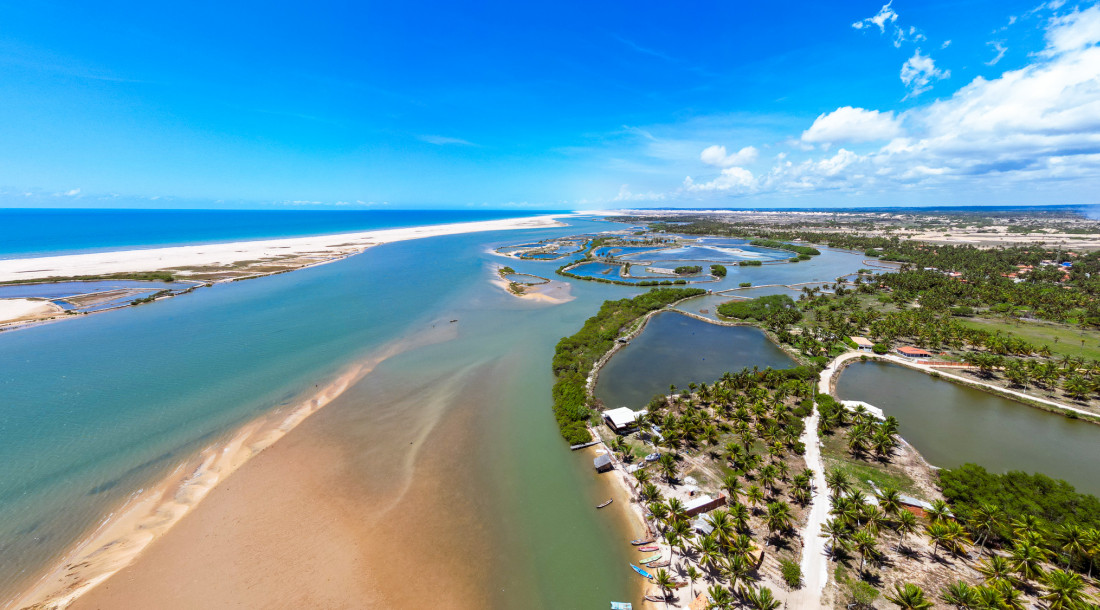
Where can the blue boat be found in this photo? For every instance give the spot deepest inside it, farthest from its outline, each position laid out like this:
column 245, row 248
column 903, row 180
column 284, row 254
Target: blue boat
column 641, row 571
column 621, row 606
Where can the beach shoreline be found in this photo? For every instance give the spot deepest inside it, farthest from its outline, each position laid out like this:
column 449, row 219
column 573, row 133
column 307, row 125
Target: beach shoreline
column 120, row 538
column 320, row 248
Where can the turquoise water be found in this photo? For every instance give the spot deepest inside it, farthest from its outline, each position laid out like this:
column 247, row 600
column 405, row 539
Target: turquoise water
column 27, row 232
column 94, row 408
column 714, row 254
column 677, row 349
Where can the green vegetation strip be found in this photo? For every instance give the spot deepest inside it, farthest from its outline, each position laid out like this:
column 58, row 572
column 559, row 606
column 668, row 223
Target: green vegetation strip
column 144, row 276
column 576, row 355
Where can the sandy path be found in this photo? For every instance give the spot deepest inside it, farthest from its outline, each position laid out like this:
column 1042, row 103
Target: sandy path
column 321, row 246
column 815, row 563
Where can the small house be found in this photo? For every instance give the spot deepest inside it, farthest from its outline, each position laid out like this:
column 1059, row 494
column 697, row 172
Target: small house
column 703, row 504
column 914, row 352
column 602, row 463
column 622, row 420
column 863, row 344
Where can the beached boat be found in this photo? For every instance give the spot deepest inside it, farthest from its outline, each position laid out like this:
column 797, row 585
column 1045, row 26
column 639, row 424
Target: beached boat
column 649, row 548
column 638, row 541
column 609, row 501
column 650, row 559
column 659, row 564
column 654, row 598
column 622, row 606
column 653, row 457
column 641, row 571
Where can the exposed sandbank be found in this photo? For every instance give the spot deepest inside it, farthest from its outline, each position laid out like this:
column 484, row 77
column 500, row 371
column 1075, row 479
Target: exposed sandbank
column 151, row 512
column 14, row 310
column 260, row 254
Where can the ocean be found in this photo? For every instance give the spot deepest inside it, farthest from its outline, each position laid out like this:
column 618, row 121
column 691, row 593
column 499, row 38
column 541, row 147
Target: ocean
column 33, row 232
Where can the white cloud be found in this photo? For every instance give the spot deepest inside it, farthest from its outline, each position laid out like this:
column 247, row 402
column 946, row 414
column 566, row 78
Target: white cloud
column 717, row 156
column 848, row 124
column 945, row 44
column 736, row 179
column 1000, row 48
column 626, row 195
column 444, row 140
column 1072, row 32
column 72, row 192
column 919, row 71
column 885, row 15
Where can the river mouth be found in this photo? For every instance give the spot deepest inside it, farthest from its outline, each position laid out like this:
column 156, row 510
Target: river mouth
column 950, row 425
column 678, row 349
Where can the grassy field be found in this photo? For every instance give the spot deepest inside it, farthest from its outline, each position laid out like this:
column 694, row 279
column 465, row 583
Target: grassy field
column 835, row 452
column 1062, row 340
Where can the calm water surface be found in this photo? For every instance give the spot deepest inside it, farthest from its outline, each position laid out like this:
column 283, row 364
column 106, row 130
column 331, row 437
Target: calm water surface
column 678, row 349
column 952, row 424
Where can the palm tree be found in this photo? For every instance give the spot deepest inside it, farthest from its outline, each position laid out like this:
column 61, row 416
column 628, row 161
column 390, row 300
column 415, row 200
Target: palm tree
column 676, row 509
column 837, row 533
column 778, row 517
column 909, row 597
column 1027, row 561
column 889, row 500
column 1071, row 539
column 1065, row 590
column 939, row 534
column 905, row 526
column 984, row 521
column 996, row 569
column 719, row 521
column 672, row 539
column 755, row 496
column 1091, row 541
column 663, row 580
column 692, row 575
column 960, row 595
column 739, row 514
column 720, row 598
column 761, row 598
column 866, row 545
column 939, row 512
column 731, row 485
column 667, row 464
column 838, row 482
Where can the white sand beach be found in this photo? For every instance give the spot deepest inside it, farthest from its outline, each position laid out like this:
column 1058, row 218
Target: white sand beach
column 305, row 250
column 26, row 309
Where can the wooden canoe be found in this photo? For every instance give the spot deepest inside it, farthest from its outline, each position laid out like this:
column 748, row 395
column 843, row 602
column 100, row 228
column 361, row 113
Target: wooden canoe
column 650, row 559
column 649, row 549
column 638, row 541
column 641, row 571
column 606, row 503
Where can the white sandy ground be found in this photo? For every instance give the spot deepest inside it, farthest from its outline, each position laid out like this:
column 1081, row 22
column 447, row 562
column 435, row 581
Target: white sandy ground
column 20, row 309
column 325, row 246
column 815, row 563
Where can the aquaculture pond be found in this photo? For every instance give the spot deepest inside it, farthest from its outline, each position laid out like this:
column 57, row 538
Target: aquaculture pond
column 710, row 253
column 604, row 251
column 93, row 295
column 678, row 349
column 952, row 424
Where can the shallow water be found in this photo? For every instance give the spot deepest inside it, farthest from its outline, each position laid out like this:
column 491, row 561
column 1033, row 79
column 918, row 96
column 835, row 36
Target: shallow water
column 952, row 424
column 677, row 349
column 94, row 408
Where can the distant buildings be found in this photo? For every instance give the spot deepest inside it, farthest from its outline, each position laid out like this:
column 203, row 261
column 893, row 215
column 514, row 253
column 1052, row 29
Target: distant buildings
column 914, row 352
column 863, row 344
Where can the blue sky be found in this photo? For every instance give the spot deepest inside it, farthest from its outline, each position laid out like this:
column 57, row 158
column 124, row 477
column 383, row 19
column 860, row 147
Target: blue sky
column 548, row 106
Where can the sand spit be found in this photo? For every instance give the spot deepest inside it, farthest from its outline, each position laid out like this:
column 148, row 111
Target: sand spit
column 17, row 310
column 551, row 293
column 151, row 512
column 243, row 255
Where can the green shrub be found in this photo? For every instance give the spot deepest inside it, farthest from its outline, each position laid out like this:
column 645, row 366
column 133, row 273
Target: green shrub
column 880, row 348
column 745, row 284
column 687, row 269
column 749, row 263
column 718, row 270
column 776, row 308
column 792, row 573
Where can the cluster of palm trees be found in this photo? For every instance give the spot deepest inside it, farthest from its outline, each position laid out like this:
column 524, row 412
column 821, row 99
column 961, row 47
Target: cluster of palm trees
column 857, row 524
column 865, row 432
column 1078, row 377
column 760, row 420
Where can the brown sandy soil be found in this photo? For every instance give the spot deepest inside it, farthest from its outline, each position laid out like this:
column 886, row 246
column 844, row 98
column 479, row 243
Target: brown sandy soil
column 331, row 517
column 21, row 311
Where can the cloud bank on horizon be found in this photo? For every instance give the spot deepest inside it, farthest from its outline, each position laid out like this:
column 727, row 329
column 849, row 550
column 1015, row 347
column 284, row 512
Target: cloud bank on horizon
column 894, row 103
